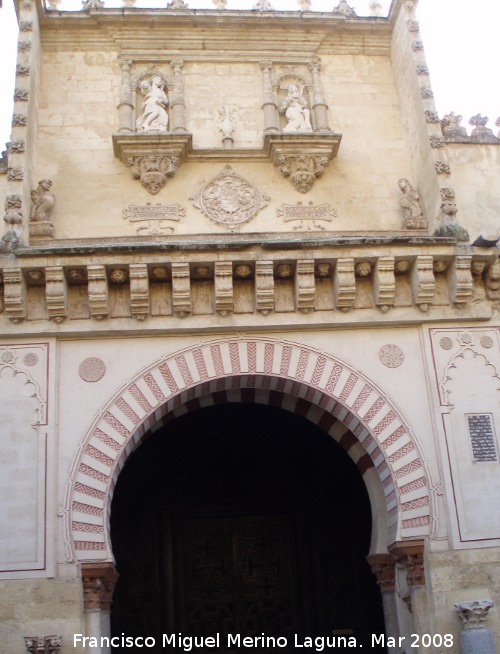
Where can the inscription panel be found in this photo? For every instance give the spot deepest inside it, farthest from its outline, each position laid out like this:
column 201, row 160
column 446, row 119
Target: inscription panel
column 482, row 437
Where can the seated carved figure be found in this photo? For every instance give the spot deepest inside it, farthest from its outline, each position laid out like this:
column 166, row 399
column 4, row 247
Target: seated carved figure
column 43, row 202
column 294, row 106
column 410, row 204
column 154, row 117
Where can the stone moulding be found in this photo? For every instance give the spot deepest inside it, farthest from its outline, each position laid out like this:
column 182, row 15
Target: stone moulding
column 153, row 158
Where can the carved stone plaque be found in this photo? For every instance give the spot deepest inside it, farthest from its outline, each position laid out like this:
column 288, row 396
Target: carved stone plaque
column 155, row 219
column 306, row 217
column 482, row 438
column 230, row 200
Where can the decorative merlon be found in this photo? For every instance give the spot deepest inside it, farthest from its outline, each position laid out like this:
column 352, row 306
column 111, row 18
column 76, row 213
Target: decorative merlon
column 474, row 614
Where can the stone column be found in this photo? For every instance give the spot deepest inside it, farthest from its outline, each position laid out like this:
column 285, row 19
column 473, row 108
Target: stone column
column 475, row 637
column 270, row 107
column 177, row 104
column 126, row 106
column 410, row 554
column 99, row 581
column 320, row 107
column 383, row 567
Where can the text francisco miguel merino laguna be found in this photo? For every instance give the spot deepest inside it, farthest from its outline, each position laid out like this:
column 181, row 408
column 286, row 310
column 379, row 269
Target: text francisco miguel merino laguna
column 191, row 643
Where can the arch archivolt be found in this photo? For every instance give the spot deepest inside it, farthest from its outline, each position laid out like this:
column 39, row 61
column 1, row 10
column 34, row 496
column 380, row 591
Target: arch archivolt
column 309, row 382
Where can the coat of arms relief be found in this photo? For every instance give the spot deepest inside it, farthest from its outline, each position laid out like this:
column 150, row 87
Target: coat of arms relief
column 230, row 200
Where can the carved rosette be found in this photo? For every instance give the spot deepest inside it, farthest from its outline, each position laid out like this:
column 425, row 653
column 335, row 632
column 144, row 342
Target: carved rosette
column 230, row 200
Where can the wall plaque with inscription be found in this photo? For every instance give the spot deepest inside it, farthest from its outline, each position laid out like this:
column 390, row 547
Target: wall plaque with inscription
column 482, row 437
column 154, row 219
column 307, row 217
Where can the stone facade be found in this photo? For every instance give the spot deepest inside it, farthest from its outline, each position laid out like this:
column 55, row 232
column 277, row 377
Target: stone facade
column 244, row 223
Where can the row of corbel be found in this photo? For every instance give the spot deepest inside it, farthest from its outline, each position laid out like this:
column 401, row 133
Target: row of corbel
column 343, row 273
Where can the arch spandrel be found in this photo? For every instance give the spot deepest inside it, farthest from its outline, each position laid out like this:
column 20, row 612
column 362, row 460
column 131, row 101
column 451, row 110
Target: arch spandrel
column 298, row 378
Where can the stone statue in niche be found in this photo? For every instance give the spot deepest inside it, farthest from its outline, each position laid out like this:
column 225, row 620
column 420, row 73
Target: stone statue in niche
column 294, row 106
column 154, row 117
column 43, row 202
column 410, row 204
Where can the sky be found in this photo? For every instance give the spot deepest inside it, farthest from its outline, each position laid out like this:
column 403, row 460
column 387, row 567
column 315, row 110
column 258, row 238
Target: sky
column 461, row 39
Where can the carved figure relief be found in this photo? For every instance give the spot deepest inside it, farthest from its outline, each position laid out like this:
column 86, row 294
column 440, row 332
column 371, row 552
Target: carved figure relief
column 43, row 201
column 294, row 106
column 154, row 117
column 229, row 200
column 410, row 204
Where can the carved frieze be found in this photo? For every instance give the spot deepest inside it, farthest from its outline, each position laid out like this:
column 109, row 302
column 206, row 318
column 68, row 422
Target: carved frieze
column 230, row 200
column 306, row 217
column 153, row 220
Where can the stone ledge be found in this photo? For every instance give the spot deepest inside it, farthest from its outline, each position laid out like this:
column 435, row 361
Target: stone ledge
column 285, row 241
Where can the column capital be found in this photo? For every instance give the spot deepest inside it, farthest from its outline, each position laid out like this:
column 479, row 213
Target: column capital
column 411, row 554
column 98, row 581
column 474, row 614
column 383, row 567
